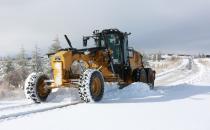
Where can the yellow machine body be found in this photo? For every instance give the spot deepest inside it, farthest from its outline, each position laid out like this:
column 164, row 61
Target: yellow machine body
column 62, row 61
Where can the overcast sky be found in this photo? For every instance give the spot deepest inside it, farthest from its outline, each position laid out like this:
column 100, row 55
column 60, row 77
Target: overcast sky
column 181, row 26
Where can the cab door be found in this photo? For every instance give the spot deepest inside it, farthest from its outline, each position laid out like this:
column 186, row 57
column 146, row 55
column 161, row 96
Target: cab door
column 114, row 44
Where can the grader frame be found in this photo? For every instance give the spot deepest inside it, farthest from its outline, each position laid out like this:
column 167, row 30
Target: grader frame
column 112, row 60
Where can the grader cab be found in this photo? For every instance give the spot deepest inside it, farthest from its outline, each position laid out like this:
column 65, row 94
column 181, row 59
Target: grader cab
column 111, row 60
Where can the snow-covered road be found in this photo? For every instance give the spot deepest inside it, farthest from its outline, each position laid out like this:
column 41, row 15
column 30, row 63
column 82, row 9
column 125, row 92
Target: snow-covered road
column 181, row 101
column 176, row 74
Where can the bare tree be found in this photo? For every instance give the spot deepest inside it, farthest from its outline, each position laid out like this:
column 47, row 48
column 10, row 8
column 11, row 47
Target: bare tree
column 153, row 57
column 9, row 66
column 37, row 60
column 55, row 45
column 13, row 78
column 21, row 57
column 11, row 74
column 22, row 61
column 159, row 56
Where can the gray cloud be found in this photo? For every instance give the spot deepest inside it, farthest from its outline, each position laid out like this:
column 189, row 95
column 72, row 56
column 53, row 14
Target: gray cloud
column 176, row 25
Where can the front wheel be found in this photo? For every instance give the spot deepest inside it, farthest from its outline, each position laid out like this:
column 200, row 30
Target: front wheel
column 91, row 88
column 35, row 88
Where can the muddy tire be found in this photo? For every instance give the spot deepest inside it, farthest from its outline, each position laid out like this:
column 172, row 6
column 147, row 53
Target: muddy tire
column 35, row 88
column 91, row 88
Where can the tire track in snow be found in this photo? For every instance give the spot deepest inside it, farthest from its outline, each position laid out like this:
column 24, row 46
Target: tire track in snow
column 23, row 113
column 195, row 77
column 183, row 64
column 173, row 75
column 57, row 99
column 202, row 75
column 16, row 106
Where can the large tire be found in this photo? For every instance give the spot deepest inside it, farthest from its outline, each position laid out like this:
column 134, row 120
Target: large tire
column 139, row 75
column 35, row 89
column 150, row 77
column 91, row 88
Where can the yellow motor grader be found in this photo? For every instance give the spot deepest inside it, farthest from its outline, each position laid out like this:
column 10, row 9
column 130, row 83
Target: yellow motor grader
column 110, row 60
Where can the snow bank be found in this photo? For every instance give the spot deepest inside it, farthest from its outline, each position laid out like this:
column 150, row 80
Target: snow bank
column 127, row 94
column 112, row 93
column 64, row 95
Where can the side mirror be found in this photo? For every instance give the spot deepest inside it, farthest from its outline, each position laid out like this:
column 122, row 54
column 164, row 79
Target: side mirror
column 130, row 52
column 127, row 33
column 85, row 39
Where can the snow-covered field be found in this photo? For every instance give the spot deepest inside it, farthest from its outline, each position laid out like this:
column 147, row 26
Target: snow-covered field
column 180, row 101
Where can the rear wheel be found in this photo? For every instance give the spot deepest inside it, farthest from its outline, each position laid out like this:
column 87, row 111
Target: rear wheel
column 150, row 77
column 145, row 75
column 91, row 86
column 139, row 75
column 35, row 88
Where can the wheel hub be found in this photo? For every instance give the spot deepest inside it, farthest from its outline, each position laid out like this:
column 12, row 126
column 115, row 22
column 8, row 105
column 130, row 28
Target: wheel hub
column 96, row 86
column 42, row 90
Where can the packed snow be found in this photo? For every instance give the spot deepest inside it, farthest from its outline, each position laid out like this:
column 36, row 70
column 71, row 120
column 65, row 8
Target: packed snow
column 180, row 101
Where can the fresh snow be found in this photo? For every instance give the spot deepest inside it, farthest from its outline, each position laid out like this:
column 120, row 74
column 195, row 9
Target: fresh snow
column 180, row 101
column 183, row 63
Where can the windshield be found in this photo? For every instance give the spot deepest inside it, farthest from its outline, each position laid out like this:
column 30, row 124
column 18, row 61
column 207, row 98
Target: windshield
column 94, row 41
column 112, row 40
